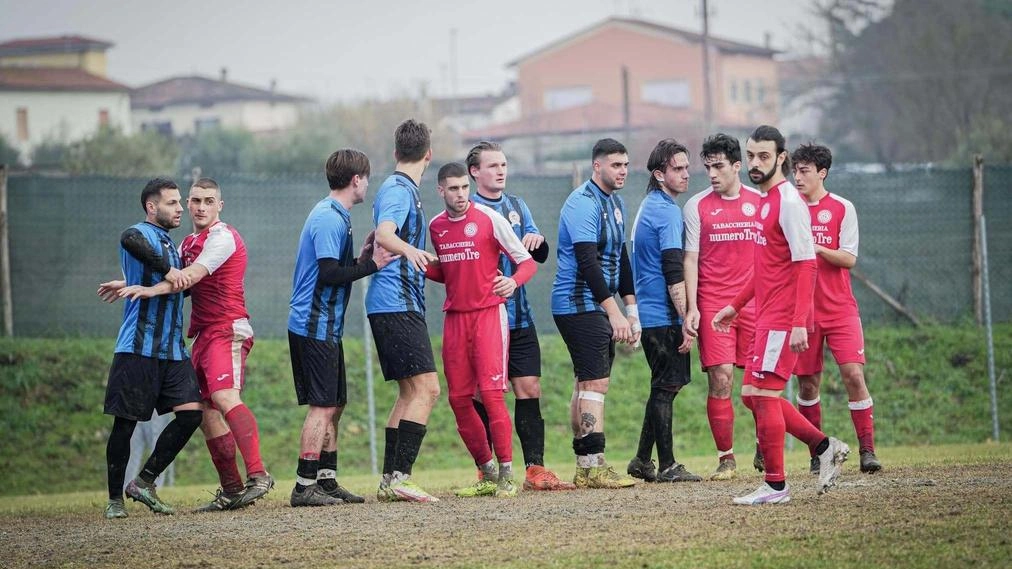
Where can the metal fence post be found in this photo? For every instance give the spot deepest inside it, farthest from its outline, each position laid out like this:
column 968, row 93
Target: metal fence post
column 370, row 395
column 5, row 257
column 985, row 281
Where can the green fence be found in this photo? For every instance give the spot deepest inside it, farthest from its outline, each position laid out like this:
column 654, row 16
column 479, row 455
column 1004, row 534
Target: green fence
column 916, row 242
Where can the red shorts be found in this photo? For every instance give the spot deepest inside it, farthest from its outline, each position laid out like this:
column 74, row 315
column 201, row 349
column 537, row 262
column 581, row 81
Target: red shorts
column 772, row 360
column 845, row 339
column 718, row 348
column 476, row 350
column 219, row 356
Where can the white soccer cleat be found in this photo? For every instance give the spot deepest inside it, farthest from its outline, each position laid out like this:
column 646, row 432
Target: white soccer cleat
column 765, row 495
column 831, row 463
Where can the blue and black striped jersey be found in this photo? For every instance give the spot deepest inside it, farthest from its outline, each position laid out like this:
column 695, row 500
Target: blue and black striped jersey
column 399, row 287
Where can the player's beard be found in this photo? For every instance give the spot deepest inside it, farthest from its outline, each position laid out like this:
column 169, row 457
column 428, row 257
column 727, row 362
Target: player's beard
column 167, row 221
column 765, row 176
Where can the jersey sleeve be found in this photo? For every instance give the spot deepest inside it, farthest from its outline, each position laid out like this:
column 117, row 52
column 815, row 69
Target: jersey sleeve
column 796, row 223
column 327, row 232
column 392, row 205
column 691, row 220
column 848, row 229
column 529, row 225
column 218, row 247
column 669, row 228
column 582, row 220
column 508, row 241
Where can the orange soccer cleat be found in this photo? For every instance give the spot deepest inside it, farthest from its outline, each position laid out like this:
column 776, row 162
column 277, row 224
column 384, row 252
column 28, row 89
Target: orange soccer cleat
column 540, row 478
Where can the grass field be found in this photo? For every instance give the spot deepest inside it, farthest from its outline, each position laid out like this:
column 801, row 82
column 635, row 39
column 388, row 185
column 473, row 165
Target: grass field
column 940, row 506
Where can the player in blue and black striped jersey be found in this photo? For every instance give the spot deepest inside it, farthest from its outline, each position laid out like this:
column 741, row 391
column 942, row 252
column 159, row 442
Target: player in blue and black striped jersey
column 151, row 366
column 593, row 267
column 395, row 304
column 486, row 164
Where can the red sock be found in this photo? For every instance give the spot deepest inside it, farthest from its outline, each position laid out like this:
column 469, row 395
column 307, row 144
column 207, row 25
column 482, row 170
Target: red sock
column 720, row 413
column 499, row 423
column 222, row 451
column 244, row 428
column 864, row 423
column 812, row 412
column 798, row 426
column 770, row 429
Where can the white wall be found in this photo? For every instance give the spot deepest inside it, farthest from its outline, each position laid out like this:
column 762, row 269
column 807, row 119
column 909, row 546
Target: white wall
column 62, row 116
column 254, row 116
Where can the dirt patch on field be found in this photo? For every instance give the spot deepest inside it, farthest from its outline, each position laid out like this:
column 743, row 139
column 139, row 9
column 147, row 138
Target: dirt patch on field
column 960, row 513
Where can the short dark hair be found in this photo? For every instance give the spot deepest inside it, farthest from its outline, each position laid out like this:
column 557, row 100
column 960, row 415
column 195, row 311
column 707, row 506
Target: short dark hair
column 345, row 164
column 451, row 170
column 812, row 153
column 411, row 141
column 153, row 188
column 207, row 184
column 772, row 133
column 660, row 156
column 474, row 155
column 607, row 146
column 721, row 143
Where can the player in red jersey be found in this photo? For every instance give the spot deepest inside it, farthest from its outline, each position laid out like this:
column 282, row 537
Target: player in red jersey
column 214, row 257
column 468, row 238
column 782, row 285
column 837, row 320
column 719, row 260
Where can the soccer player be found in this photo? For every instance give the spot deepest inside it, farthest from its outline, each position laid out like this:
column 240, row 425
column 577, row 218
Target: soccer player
column 782, row 284
column 321, row 287
column 837, row 320
column 486, row 164
column 660, row 292
column 593, row 267
column 151, row 366
column 468, row 239
column 214, row 259
column 395, row 304
column 719, row 258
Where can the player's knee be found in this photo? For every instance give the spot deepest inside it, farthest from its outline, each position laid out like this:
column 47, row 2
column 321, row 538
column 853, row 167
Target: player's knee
column 226, row 399
column 527, row 387
column 189, row 420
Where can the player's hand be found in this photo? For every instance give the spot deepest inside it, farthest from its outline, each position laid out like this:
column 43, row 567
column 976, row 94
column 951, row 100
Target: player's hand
column 108, row 290
column 367, row 248
column 799, row 339
column 504, row 286
column 178, row 279
column 621, row 331
column 532, row 241
column 690, row 324
column 381, row 256
column 635, row 331
column 135, row 292
column 419, row 258
column 722, row 320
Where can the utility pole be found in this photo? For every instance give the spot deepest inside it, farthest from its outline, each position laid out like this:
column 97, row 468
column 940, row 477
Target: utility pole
column 625, row 104
column 707, row 80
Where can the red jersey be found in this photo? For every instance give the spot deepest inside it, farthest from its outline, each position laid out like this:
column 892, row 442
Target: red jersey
column 220, row 297
column 834, row 226
column 468, row 248
column 722, row 231
column 784, row 237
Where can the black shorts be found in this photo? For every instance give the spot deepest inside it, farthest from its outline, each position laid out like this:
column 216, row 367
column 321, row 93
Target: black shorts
column 318, row 370
column 588, row 338
column 525, row 353
column 139, row 385
column 402, row 344
column 668, row 368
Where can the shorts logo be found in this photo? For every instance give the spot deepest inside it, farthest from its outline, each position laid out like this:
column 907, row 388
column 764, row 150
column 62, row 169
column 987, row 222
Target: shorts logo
column 514, row 218
column 824, row 216
column 860, row 352
column 222, row 377
column 748, row 209
column 618, row 216
column 471, row 229
column 764, row 211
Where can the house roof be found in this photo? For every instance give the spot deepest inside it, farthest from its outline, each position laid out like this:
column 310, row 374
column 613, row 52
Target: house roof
column 194, row 89
column 723, row 45
column 54, row 79
column 592, row 117
column 55, row 44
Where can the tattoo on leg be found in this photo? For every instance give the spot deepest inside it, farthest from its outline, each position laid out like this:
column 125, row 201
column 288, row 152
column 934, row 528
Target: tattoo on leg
column 587, row 423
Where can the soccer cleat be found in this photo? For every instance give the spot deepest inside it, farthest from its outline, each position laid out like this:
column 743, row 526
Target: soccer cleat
column 765, row 495
column 813, row 466
column 140, row 491
column 256, row 487
column 506, row 488
column 540, row 478
column 407, row 491
column 870, row 462
column 758, row 462
column 727, row 469
column 384, row 493
column 482, row 487
column 340, row 492
column 115, row 509
column 642, row 469
column 831, row 463
column 677, row 473
column 223, row 501
column 601, row 477
column 311, row 495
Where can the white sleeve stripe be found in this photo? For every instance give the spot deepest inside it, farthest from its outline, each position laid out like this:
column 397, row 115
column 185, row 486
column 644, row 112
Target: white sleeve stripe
column 848, row 227
column 690, row 216
column 218, row 247
column 796, row 223
column 503, row 231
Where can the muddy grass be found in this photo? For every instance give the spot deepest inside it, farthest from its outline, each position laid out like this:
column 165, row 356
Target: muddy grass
column 904, row 517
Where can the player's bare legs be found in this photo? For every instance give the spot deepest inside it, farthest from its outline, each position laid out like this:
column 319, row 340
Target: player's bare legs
column 406, row 427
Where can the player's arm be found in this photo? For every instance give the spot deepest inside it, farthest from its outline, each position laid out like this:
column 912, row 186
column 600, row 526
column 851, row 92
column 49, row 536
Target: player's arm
column 846, row 255
column 533, row 240
column 516, row 250
column 589, row 270
column 627, row 290
column 796, row 224
column 690, row 269
column 135, row 243
column 386, row 237
column 722, row 320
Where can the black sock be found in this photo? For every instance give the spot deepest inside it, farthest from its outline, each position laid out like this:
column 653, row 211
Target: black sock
column 409, row 442
column 172, row 440
column 822, row 446
column 328, row 461
column 660, row 404
column 308, row 468
column 777, row 485
column 483, row 414
column 530, row 427
column 117, row 455
column 646, row 446
column 390, row 450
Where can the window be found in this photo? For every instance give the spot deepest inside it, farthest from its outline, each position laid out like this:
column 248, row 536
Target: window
column 670, row 93
column 760, row 92
column 207, row 123
column 567, row 97
column 163, row 128
column 22, row 124
column 103, row 117
column 733, row 91
column 748, row 91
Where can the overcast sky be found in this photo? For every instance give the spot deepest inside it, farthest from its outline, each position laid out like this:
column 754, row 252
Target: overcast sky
column 345, row 50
